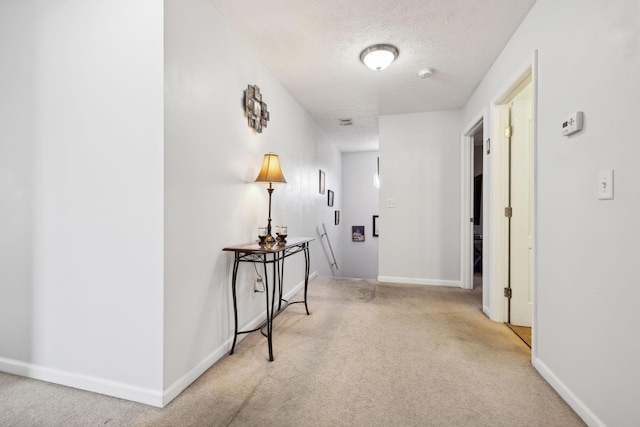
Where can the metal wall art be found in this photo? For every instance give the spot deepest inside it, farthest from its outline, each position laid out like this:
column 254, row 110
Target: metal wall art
column 255, row 109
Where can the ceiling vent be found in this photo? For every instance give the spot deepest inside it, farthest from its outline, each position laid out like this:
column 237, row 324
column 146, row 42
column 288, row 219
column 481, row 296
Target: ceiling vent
column 345, row 122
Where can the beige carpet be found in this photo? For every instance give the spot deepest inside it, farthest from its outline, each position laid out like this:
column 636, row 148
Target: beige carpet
column 369, row 355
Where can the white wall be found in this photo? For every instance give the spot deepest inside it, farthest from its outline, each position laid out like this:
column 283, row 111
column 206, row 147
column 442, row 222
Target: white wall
column 112, row 275
column 359, row 204
column 420, row 169
column 212, row 159
column 81, row 193
column 587, row 294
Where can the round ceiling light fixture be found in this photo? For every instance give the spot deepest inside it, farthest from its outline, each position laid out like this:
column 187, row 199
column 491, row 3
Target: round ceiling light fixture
column 379, row 56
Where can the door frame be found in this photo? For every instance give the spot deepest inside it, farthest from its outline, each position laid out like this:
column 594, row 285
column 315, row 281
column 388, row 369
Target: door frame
column 494, row 226
column 466, row 180
column 499, row 226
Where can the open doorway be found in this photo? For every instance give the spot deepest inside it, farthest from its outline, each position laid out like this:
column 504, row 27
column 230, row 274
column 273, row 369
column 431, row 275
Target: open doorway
column 477, row 204
column 513, row 219
column 519, row 138
column 474, row 255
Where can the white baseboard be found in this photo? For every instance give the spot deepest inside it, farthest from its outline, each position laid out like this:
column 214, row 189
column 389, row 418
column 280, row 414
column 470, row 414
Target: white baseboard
column 185, row 381
column 126, row 391
column 82, row 382
column 414, row 281
column 572, row 400
column 486, row 311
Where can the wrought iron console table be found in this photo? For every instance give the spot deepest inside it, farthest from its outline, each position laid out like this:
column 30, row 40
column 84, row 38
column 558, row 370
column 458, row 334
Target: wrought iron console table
column 265, row 255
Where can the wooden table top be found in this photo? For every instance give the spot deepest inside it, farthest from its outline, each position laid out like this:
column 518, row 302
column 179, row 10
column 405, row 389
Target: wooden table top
column 256, row 248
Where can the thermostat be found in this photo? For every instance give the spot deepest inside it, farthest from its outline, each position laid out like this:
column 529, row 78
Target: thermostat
column 572, row 124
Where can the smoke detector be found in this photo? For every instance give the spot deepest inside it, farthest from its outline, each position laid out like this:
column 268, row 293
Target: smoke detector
column 425, row 73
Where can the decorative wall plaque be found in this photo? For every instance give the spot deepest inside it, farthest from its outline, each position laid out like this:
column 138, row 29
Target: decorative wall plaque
column 255, row 109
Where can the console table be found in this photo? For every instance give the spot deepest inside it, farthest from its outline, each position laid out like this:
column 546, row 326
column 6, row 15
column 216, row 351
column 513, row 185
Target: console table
column 274, row 255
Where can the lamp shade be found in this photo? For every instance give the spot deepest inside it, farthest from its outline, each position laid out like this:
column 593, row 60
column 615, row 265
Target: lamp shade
column 271, row 172
column 379, row 57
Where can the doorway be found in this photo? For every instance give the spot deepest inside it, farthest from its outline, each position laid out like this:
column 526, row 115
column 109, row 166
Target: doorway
column 477, row 205
column 513, row 218
column 519, row 215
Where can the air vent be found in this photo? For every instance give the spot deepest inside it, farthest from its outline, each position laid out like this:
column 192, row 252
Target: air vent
column 345, row 122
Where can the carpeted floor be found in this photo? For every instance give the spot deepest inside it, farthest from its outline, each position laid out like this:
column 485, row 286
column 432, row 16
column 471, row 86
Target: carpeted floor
column 369, row 354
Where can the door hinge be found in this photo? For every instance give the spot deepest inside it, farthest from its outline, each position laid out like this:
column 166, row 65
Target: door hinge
column 508, row 131
column 508, row 212
column 489, row 146
column 507, row 292
column 470, row 219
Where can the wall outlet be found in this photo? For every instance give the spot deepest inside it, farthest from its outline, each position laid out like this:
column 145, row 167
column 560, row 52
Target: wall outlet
column 391, row 203
column 258, row 286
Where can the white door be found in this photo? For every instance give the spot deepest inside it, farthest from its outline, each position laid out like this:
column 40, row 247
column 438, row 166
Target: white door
column 521, row 202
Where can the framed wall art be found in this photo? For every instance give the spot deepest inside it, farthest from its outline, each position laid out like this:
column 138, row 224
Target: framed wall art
column 336, row 218
column 330, row 198
column 255, row 110
column 375, row 226
column 357, row 233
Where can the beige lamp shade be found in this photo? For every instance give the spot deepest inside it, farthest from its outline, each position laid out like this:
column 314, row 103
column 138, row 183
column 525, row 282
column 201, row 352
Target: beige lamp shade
column 271, row 172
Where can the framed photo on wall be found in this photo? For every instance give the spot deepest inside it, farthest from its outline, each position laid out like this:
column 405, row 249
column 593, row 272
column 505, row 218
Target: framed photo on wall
column 357, row 233
column 375, row 226
column 330, row 198
column 337, row 217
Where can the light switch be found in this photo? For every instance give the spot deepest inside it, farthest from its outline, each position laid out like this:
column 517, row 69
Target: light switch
column 605, row 184
column 391, row 203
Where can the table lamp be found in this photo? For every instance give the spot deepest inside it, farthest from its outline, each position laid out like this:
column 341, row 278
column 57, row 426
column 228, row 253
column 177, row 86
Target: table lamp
column 270, row 173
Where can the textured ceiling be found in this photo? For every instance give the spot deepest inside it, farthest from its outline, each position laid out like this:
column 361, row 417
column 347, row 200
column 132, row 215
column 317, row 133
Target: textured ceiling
column 313, row 48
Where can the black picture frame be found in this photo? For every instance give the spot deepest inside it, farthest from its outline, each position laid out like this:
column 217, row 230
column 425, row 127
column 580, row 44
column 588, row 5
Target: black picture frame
column 375, row 226
column 329, row 198
column 357, row 233
column 336, row 215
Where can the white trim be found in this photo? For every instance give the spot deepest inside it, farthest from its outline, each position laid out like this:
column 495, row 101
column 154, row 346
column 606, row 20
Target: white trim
column 498, row 234
column 466, row 227
column 415, row 281
column 498, row 303
column 534, row 208
column 83, row 382
column 572, row 400
column 486, row 310
column 120, row 390
column 185, row 381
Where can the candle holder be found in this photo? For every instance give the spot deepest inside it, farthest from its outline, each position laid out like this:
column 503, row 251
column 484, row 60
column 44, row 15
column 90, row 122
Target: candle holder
column 281, row 232
column 262, row 235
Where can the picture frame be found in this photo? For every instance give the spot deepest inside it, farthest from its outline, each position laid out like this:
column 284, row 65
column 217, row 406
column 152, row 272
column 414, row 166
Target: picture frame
column 330, row 198
column 321, row 182
column 375, row 226
column 336, row 216
column 357, row 233
column 255, row 109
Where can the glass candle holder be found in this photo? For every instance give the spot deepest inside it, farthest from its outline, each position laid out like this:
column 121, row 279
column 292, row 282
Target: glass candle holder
column 282, row 233
column 262, row 235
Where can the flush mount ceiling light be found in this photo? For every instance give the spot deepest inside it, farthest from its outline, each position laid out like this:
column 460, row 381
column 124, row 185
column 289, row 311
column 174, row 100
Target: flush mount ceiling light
column 379, row 56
